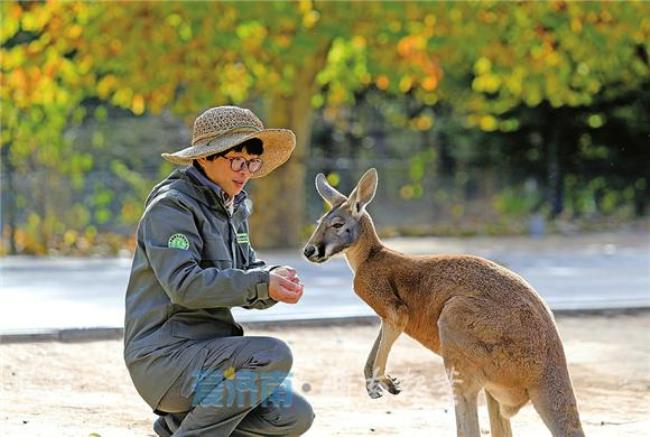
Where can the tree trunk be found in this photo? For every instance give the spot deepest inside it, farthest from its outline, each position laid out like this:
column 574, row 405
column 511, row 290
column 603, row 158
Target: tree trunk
column 555, row 178
column 279, row 199
column 640, row 199
column 554, row 162
column 8, row 201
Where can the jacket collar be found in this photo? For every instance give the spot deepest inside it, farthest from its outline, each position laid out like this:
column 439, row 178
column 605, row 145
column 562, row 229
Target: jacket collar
column 197, row 174
column 203, row 189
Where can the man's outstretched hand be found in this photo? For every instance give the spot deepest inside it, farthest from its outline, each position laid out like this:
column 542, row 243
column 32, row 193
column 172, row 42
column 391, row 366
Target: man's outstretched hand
column 285, row 285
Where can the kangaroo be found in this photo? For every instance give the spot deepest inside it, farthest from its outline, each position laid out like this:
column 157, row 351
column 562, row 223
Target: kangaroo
column 491, row 328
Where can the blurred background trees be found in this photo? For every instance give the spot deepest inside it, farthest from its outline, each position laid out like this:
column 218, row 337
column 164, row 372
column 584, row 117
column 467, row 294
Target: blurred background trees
column 477, row 115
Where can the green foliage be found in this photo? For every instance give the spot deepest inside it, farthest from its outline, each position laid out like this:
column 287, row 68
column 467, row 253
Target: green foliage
column 563, row 53
column 555, row 91
column 516, row 202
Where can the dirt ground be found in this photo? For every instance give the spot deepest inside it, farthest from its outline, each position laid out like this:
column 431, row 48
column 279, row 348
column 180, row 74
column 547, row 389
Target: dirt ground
column 77, row 389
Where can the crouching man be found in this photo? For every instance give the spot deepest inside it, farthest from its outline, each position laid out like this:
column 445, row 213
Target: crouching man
column 186, row 355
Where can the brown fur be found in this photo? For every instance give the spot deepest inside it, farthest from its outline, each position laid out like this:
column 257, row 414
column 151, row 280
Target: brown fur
column 491, row 328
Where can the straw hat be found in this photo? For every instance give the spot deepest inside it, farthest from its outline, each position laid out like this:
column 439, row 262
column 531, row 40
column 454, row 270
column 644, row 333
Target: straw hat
column 223, row 127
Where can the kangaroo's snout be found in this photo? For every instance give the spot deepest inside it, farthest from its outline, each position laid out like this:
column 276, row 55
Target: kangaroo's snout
column 309, row 250
column 314, row 253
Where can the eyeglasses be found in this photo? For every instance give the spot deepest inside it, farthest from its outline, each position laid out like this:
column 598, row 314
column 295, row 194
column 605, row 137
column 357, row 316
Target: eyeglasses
column 237, row 163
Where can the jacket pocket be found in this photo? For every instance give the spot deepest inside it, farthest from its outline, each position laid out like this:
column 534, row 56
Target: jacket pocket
column 216, row 254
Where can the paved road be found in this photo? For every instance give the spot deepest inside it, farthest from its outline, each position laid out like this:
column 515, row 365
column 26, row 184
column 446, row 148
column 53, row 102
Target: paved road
column 580, row 272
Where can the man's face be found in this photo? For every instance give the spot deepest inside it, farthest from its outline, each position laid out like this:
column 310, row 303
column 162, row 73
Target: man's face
column 221, row 173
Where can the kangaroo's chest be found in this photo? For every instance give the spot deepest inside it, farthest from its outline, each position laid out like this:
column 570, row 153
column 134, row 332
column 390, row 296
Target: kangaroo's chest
column 371, row 298
column 424, row 333
column 422, row 324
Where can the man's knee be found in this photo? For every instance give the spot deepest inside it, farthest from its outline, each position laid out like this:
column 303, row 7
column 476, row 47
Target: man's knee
column 290, row 418
column 272, row 354
column 303, row 415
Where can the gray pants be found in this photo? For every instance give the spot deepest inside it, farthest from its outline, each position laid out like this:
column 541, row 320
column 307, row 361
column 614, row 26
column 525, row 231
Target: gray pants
column 238, row 392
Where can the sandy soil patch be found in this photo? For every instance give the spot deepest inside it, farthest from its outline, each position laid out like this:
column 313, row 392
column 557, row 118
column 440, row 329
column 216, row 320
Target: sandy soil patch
column 76, row 389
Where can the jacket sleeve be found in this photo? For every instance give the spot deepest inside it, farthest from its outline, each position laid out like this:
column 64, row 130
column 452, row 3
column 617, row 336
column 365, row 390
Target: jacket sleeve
column 176, row 266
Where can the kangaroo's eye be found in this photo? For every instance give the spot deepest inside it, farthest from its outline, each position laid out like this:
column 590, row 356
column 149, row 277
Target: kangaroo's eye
column 337, row 225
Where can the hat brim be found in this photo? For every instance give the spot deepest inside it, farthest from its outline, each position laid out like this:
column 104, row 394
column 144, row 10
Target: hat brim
column 278, row 146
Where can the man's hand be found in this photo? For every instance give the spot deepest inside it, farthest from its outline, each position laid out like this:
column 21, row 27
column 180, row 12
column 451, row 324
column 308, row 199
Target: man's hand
column 287, row 272
column 285, row 285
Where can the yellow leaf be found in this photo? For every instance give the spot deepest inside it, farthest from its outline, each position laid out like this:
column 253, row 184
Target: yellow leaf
column 74, row 31
column 123, row 97
column 423, row 122
column 137, row 105
column 488, row 123
column 106, row 86
column 430, row 83
column 482, row 66
column 305, row 5
column 310, row 19
column 382, row 82
column 359, row 42
column 576, row 26
column 405, row 83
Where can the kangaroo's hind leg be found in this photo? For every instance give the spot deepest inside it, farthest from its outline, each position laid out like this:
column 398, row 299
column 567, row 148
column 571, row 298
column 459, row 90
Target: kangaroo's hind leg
column 558, row 410
column 499, row 424
column 553, row 396
column 461, row 354
column 465, row 403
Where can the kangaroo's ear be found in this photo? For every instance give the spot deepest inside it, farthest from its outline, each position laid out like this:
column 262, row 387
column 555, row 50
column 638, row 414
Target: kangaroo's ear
column 327, row 192
column 363, row 193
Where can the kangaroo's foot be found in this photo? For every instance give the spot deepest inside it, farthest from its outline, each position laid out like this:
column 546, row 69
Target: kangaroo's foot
column 374, row 389
column 374, row 386
column 390, row 384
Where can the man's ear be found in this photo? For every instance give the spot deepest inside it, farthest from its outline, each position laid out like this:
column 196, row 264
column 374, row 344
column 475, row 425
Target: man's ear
column 363, row 193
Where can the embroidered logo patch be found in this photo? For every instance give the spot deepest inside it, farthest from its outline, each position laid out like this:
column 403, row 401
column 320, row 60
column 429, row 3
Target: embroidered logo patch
column 178, row 241
column 242, row 238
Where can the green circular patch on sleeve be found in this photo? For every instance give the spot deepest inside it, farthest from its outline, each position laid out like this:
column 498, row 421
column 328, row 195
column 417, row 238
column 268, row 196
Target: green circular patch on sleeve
column 178, row 241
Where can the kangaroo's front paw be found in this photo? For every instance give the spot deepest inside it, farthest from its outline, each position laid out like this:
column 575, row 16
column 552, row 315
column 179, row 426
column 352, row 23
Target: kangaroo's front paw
column 390, row 384
column 374, row 389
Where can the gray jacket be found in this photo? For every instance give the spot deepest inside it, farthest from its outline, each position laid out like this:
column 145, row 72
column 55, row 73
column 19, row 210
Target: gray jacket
column 193, row 262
